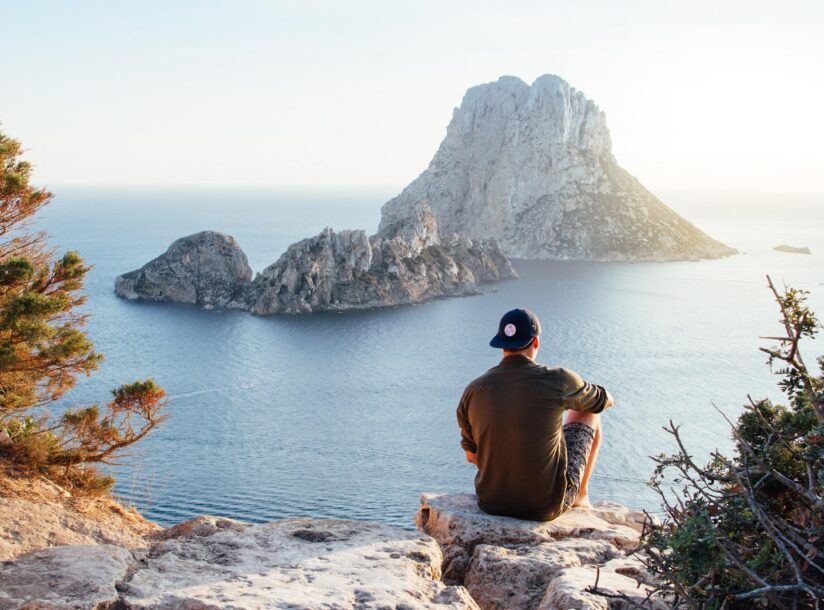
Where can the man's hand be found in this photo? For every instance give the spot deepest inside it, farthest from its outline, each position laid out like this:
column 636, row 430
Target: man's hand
column 472, row 458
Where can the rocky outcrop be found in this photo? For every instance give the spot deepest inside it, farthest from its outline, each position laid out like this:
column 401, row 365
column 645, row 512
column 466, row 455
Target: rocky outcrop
column 65, row 577
column 409, row 262
column 215, row 563
column 207, row 269
column 792, row 249
column 510, row 563
column 462, row 558
column 532, row 166
column 293, row 563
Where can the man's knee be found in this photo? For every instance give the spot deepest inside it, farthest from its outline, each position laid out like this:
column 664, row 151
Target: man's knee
column 593, row 420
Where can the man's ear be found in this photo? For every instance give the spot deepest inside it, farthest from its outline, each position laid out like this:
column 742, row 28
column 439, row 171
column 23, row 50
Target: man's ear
column 535, row 342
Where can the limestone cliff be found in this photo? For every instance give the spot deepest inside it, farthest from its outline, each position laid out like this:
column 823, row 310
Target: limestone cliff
column 533, row 167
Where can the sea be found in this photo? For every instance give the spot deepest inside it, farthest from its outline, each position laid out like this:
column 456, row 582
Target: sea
column 352, row 415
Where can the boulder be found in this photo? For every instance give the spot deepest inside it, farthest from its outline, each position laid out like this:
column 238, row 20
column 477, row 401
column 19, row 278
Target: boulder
column 500, row 578
column 207, row 269
column 456, row 522
column 572, row 590
column 511, row 563
column 293, row 563
column 64, row 578
column 532, row 166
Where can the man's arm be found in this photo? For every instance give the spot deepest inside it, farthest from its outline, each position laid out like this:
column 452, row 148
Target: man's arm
column 467, row 441
column 580, row 395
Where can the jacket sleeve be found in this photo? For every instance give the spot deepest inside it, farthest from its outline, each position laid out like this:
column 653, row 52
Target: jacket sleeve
column 580, row 395
column 467, row 442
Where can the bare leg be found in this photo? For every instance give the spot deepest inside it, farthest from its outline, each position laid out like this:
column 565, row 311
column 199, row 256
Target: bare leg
column 593, row 420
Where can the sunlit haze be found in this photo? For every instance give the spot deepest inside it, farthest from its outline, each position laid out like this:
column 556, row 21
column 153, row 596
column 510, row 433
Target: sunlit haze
column 709, row 94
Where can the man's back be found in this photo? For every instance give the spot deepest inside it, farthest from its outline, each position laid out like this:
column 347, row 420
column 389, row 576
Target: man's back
column 512, row 418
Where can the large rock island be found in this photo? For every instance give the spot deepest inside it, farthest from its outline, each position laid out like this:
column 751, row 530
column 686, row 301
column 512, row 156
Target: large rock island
column 533, row 167
column 524, row 172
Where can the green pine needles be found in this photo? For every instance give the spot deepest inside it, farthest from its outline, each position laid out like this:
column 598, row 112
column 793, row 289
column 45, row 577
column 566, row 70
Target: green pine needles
column 43, row 350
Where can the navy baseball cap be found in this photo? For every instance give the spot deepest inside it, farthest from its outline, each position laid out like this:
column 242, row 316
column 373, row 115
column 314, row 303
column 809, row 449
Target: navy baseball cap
column 516, row 330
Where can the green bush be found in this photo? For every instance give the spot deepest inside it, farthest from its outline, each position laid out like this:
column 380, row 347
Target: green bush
column 747, row 531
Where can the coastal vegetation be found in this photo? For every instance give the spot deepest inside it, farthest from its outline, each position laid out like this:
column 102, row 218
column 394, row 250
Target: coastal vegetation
column 747, row 530
column 44, row 350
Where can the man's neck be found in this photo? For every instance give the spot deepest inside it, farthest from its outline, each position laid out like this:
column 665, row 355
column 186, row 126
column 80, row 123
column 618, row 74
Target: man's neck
column 524, row 354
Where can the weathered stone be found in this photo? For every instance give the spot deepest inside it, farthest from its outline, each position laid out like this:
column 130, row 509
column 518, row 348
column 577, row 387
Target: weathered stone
column 64, row 577
column 207, row 268
column 456, row 522
column 204, row 525
column 533, row 168
column 294, row 563
column 571, row 590
column 408, row 263
column 502, row 578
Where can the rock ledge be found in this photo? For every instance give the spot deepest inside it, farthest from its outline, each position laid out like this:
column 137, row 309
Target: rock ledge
column 511, row 563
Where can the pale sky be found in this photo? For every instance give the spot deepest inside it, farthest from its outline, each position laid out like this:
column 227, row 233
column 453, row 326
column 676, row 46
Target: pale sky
column 698, row 94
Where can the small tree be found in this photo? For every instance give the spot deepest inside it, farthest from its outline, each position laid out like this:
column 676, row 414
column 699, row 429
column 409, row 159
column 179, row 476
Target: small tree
column 43, row 349
column 748, row 531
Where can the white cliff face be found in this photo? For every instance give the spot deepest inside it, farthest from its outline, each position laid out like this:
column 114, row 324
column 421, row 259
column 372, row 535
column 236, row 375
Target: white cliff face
column 532, row 166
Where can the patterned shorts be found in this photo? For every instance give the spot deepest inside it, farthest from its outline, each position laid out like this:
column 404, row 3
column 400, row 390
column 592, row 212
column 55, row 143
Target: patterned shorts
column 579, row 438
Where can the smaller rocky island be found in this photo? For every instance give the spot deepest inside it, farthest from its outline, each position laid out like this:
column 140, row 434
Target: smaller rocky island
column 793, row 249
column 207, row 268
column 407, row 262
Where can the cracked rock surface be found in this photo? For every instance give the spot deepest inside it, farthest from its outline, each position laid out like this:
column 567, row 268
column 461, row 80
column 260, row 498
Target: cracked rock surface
column 63, row 577
column 511, row 563
column 461, row 558
column 293, row 563
column 214, row 563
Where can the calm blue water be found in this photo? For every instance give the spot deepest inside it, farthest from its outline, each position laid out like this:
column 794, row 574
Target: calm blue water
column 352, row 415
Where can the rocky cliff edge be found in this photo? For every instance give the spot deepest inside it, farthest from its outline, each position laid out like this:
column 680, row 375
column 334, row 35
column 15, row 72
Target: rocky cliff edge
column 460, row 558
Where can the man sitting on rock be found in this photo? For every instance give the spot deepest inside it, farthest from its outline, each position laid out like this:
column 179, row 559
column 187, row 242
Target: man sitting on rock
column 531, row 463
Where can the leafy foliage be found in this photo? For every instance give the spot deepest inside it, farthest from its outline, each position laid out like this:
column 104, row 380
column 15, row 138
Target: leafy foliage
column 43, row 349
column 748, row 531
